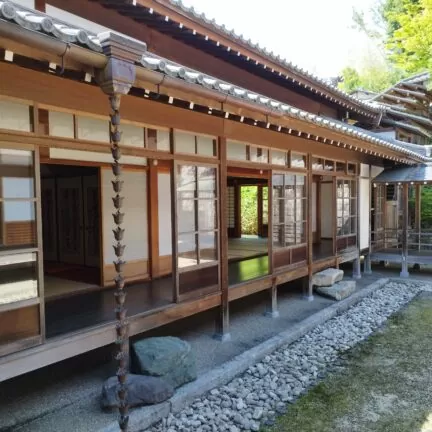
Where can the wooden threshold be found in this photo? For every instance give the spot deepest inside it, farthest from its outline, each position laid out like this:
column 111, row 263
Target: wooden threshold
column 245, row 289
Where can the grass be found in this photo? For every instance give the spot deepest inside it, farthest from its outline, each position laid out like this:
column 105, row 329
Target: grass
column 385, row 386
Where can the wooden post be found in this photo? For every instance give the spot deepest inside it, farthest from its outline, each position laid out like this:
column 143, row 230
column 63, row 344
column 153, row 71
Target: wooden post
column 222, row 322
column 368, row 264
column 308, row 287
column 116, row 79
column 272, row 310
column 405, row 202
column 418, row 214
column 153, row 217
column 356, row 264
column 237, row 210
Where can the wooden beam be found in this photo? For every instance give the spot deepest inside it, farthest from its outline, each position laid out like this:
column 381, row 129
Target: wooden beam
column 222, row 323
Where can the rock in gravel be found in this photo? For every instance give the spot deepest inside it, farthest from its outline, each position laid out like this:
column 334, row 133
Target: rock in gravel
column 327, row 277
column 339, row 290
column 142, row 390
column 167, row 357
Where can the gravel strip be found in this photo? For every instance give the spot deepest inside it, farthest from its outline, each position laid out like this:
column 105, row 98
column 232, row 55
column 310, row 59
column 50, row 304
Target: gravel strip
column 255, row 398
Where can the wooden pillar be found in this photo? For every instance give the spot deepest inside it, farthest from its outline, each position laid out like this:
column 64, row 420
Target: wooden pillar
column 237, row 210
column 116, row 79
column 418, row 214
column 260, row 210
column 356, row 264
column 40, row 5
column 308, row 287
column 174, row 224
column 368, row 264
column 222, row 321
column 405, row 203
column 272, row 310
column 153, row 217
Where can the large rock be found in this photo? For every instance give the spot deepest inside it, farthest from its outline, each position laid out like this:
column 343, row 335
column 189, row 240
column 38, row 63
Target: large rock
column 327, row 277
column 142, row 390
column 339, row 290
column 167, row 357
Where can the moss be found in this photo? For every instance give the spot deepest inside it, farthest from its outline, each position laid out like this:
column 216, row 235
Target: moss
column 384, row 387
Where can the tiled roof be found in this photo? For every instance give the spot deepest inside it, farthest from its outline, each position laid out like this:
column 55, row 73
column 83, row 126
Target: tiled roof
column 270, row 55
column 39, row 22
column 175, row 70
column 415, row 174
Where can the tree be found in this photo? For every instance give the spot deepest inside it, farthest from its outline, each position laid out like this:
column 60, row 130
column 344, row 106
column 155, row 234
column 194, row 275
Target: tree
column 410, row 34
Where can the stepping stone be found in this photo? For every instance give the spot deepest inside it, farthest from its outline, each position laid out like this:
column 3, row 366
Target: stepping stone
column 339, row 290
column 142, row 390
column 169, row 358
column 327, row 277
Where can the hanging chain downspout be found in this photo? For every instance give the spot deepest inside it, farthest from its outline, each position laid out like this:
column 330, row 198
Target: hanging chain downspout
column 116, row 79
column 122, row 341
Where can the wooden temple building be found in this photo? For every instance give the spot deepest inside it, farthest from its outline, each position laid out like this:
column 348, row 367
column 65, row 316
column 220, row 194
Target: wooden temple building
column 127, row 132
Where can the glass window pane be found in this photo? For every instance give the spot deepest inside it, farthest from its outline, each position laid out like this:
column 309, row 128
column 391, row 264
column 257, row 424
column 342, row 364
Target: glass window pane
column 300, row 232
column 340, row 166
column 329, row 165
column 258, row 154
column 162, row 139
column 184, row 142
column 19, row 324
column 278, row 236
column 206, row 182
column 187, row 250
column 207, row 214
column 15, row 164
column 301, row 186
column 236, row 151
column 17, row 224
column 289, row 211
column 353, row 225
column 18, row 277
column 352, row 168
column 278, row 211
column 279, row 157
column 290, row 235
column 186, row 216
column 298, row 160
column 186, row 181
column 206, row 146
column 317, row 164
column 208, row 249
column 15, row 187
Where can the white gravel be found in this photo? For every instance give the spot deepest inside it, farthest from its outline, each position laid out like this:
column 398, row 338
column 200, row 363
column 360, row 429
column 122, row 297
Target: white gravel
column 255, row 398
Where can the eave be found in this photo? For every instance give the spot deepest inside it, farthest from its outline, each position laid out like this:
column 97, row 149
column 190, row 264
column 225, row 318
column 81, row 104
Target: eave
column 173, row 18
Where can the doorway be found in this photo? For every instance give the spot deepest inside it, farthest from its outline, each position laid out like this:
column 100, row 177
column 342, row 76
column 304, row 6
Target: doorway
column 322, row 216
column 247, row 216
column 71, row 219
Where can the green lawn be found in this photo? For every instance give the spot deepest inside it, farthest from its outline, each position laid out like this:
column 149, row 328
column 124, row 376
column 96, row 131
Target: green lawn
column 386, row 386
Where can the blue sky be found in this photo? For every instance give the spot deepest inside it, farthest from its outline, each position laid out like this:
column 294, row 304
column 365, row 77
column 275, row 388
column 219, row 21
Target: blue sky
column 315, row 34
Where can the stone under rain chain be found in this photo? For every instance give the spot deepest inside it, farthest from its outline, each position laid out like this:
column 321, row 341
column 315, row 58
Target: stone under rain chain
column 122, row 355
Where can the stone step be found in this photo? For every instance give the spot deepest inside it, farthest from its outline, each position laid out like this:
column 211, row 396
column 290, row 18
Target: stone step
column 339, row 291
column 327, row 277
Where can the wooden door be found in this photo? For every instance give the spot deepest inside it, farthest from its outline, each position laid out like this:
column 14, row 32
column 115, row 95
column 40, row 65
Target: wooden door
column 91, row 221
column 70, row 220
column 49, row 219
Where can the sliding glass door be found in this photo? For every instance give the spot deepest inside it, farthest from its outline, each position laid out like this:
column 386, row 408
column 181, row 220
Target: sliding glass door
column 21, row 321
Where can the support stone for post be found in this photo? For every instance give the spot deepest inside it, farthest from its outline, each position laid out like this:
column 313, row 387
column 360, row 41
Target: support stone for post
column 116, row 79
column 307, row 284
column 272, row 309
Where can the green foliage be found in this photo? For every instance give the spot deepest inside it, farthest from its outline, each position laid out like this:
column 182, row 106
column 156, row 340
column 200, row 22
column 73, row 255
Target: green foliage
column 410, row 40
column 374, row 78
column 426, row 207
column 249, row 210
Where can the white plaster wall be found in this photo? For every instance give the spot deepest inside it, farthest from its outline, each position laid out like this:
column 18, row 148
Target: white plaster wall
column 236, row 151
column 314, row 207
column 61, row 124
column 164, row 200
column 364, row 170
column 92, row 129
column 326, row 212
column 135, row 220
column 80, row 155
column 14, row 116
column 364, row 212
